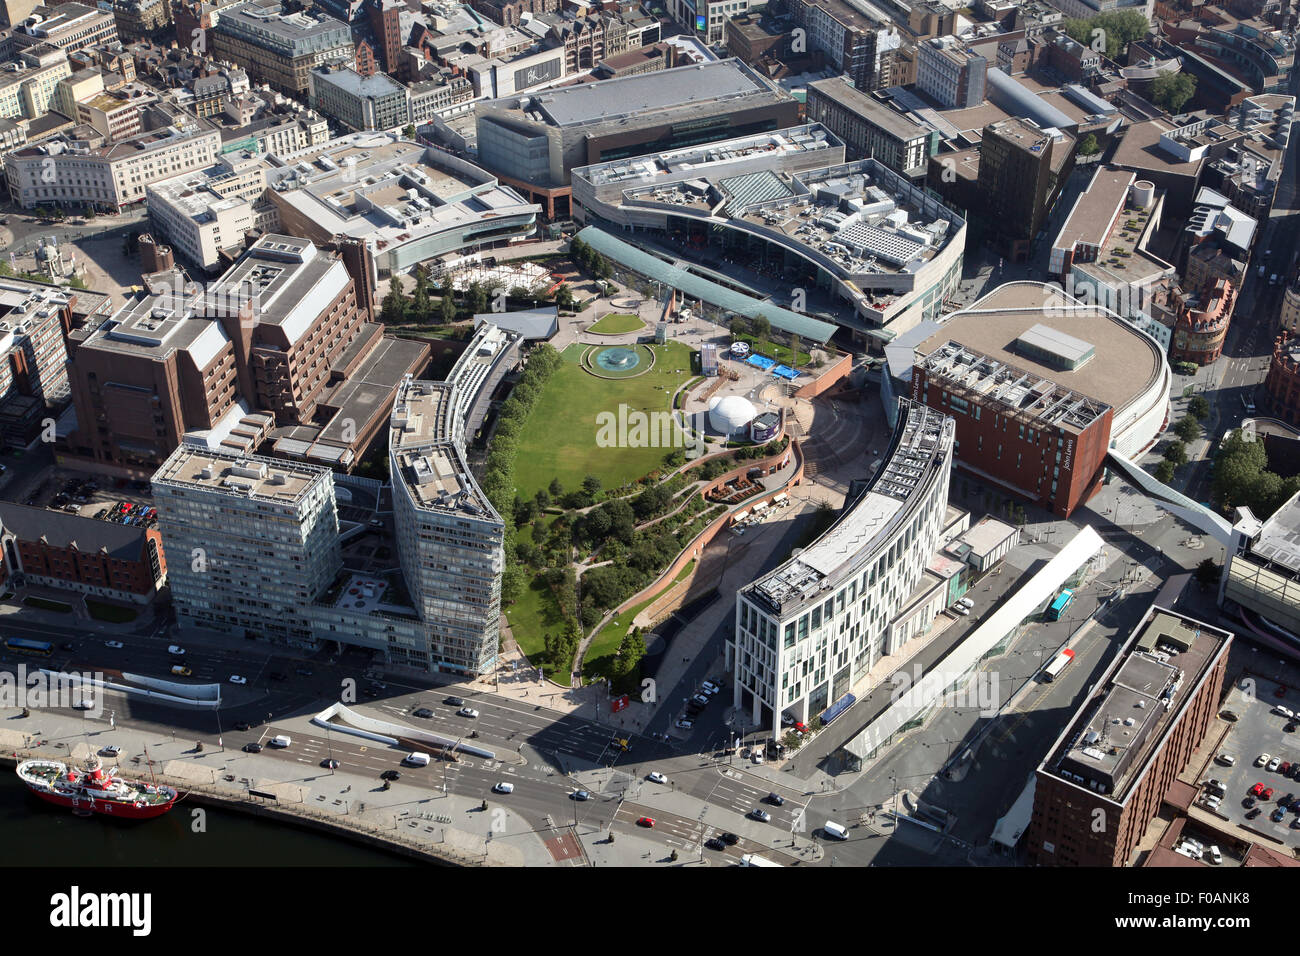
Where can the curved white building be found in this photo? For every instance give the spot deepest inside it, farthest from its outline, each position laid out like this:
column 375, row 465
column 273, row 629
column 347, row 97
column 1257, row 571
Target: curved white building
column 731, row 414
column 809, row 630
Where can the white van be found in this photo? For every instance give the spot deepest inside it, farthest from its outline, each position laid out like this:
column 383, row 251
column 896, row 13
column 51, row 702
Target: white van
column 417, row 760
column 833, row 829
column 280, row 740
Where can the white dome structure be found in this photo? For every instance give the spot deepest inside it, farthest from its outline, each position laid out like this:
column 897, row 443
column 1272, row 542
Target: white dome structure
column 729, row 415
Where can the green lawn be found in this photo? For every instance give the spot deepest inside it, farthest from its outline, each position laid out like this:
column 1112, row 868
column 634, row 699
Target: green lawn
column 529, row 617
column 559, row 439
column 617, row 323
column 779, row 352
column 110, row 612
column 603, row 647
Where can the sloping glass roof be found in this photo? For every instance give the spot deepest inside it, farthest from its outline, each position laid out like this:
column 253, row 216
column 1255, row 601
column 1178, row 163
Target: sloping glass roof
column 700, row 288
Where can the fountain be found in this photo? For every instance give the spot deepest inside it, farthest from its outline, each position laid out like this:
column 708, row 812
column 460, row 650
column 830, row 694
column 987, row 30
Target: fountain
column 618, row 359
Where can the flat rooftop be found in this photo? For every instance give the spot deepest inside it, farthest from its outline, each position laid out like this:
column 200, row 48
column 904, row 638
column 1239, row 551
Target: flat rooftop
column 1096, row 209
column 1125, row 363
column 1124, row 722
column 1279, row 540
column 263, row 479
column 875, row 112
column 1140, row 149
column 649, row 92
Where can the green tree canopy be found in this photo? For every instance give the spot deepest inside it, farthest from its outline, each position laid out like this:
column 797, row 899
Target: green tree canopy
column 1172, row 90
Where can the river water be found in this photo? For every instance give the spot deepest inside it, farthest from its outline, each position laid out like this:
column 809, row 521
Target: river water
column 36, row 833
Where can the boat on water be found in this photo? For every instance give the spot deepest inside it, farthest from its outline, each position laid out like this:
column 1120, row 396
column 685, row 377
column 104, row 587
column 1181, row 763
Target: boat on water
column 91, row 789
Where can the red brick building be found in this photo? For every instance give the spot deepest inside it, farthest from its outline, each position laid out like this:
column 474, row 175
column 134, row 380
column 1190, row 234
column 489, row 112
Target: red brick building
column 1105, row 777
column 94, row 557
column 1202, row 322
column 1283, row 380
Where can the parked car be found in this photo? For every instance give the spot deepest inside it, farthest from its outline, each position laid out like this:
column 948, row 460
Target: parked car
column 1248, row 802
column 1226, row 759
column 1215, row 856
column 1285, row 768
column 1277, row 815
column 1267, row 794
column 701, row 700
column 1262, row 760
column 787, row 720
column 710, row 688
column 958, row 609
column 1252, row 814
column 1256, row 790
column 1274, row 764
column 967, row 603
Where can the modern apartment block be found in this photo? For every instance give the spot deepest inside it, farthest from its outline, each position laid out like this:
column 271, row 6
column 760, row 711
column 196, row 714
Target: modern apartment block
column 252, row 542
column 951, row 72
column 449, row 537
column 376, row 102
column 870, row 128
column 1128, row 742
column 865, row 47
column 62, row 170
column 807, row 631
column 277, row 47
column 33, row 359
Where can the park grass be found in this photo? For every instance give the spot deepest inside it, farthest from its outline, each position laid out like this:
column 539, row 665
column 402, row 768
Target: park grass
column 530, row 616
column 559, row 438
column 616, row 323
column 779, row 352
column 601, row 653
column 112, row 613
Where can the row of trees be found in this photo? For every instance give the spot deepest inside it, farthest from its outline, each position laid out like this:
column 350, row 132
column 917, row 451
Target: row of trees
column 1187, row 430
column 590, row 260
column 1242, row 477
column 1117, row 30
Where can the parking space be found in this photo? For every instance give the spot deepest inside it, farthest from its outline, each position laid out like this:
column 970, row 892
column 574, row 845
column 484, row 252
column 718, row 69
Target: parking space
column 1254, row 796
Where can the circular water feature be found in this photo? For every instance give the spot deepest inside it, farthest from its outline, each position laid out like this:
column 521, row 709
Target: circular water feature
column 617, row 359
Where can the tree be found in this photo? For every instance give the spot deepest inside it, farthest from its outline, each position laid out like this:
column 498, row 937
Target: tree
column 477, row 297
column 1198, row 406
column 1172, row 90
column 739, row 327
column 1188, row 428
column 556, row 488
column 409, row 132
column 448, row 309
column 1165, row 472
column 761, row 326
column 591, row 485
column 393, row 311
column 542, row 499
column 1176, row 452
column 1207, row 574
column 564, row 300
column 1118, row 30
column 1089, row 146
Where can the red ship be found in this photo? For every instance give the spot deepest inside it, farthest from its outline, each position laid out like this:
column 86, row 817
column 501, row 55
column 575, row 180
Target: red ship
column 92, row 790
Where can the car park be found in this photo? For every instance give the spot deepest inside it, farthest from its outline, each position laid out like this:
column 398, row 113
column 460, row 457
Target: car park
column 656, row 777
column 467, row 712
column 503, row 788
